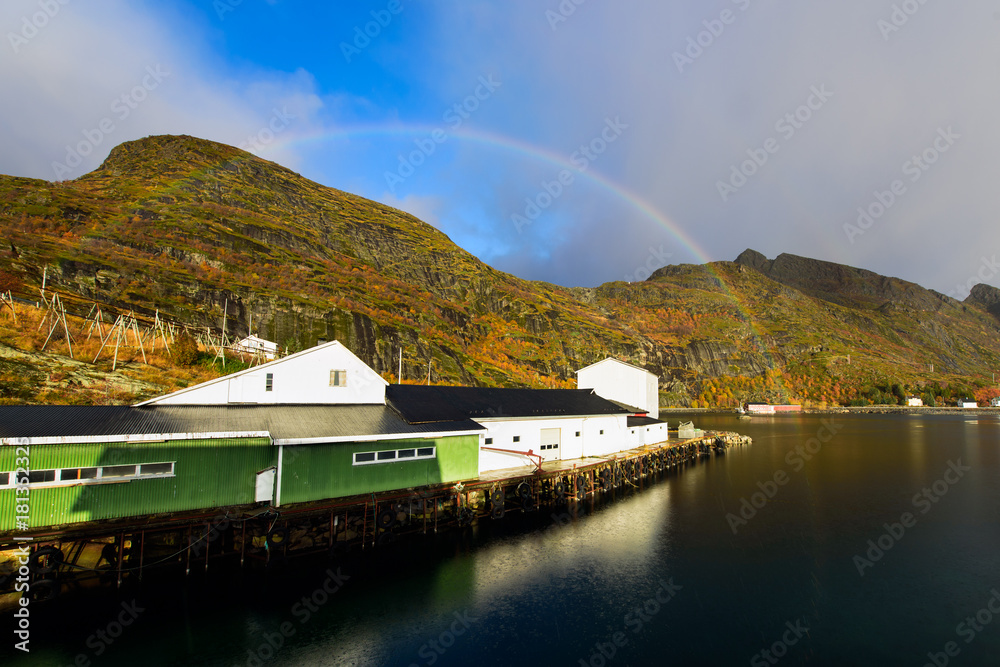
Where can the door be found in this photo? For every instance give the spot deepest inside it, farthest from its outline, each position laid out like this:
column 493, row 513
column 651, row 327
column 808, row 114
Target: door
column 549, row 443
column 264, row 492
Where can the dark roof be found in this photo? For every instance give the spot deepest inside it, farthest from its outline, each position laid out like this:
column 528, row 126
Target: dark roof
column 643, row 421
column 629, row 408
column 421, row 403
column 280, row 421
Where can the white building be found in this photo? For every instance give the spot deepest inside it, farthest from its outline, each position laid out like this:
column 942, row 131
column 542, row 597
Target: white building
column 966, row 403
column 254, row 345
column 995, row 402
column 622, row 382
column 915, row 402
column 325, row 374
column 550, row 424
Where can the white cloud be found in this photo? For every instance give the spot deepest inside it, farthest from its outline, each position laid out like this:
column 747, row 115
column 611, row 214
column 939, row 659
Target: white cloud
column 95, row 76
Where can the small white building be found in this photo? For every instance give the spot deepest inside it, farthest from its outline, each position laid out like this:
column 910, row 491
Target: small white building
column 966, row 403
column 325, row 374
column 915, row 402
column 995, row 402
column 624, row 383
column 254, row 345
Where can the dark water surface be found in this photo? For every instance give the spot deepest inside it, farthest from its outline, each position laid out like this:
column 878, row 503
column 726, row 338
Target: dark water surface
column 658, row 576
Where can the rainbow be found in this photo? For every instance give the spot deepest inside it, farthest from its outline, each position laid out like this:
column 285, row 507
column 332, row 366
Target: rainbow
column 523, row 149
column 517, row 147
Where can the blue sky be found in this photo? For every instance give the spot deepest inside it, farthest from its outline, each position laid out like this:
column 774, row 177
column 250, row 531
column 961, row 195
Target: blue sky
column 572, row 141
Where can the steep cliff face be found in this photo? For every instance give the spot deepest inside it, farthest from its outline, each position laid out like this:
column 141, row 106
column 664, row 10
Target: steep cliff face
column 208, row 234
column 986, row 297
column 841, row 284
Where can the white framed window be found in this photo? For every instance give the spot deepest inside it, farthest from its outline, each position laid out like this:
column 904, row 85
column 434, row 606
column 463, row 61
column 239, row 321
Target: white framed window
column 517, row 438
column 394, row 455
column 338, row 378
column 489, row 441
column 269, row 382
column 90, row 475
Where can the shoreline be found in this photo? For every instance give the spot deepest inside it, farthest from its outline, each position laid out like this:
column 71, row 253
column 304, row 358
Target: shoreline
column 861, row 410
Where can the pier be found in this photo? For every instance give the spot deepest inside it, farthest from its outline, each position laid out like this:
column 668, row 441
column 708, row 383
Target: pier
column 108, row 553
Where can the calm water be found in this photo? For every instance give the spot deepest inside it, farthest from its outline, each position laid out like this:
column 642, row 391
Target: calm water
column 656, row 577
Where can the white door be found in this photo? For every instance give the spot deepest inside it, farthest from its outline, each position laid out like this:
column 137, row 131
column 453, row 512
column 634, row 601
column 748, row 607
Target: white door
column 264, row 492
column 236, row 390
column 549, row 444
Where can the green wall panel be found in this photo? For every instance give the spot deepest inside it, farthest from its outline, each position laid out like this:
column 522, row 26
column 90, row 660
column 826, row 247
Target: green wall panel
column 208, row 474
column 317, row 472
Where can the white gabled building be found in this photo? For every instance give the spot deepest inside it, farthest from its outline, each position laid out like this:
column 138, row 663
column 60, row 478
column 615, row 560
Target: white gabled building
column 622, row 382
column 325, row 374
column 255, row 345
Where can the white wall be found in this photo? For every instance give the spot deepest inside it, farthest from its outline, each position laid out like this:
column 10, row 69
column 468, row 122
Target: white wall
column 300, row 378
column 590, row 442
column 618, row 381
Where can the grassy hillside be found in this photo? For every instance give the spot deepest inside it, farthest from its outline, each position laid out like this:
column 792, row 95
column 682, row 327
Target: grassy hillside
column 208, row 234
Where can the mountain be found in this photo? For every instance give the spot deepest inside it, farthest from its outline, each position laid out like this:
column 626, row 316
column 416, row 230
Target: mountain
column 207, row 234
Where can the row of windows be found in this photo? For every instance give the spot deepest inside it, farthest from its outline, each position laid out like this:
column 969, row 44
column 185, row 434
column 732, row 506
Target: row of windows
column 550, row 446
column 392, row 455
column 93, row 475
column 517, row 438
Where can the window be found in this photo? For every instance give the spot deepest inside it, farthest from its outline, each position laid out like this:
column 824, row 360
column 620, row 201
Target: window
column 338, row 378
column 578, row 434
column 602, row 431
column 489, row 441
column 269, row 382
column 517, row 438
column 41, row 476
column 118, row 471
column 91, row 475
column 391, row 455
column 77, row 473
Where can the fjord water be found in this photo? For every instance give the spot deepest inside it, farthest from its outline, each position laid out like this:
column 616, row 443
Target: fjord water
column 825, row 570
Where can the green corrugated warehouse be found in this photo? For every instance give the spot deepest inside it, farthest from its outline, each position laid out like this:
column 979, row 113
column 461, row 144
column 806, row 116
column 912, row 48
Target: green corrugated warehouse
column 91, row 463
